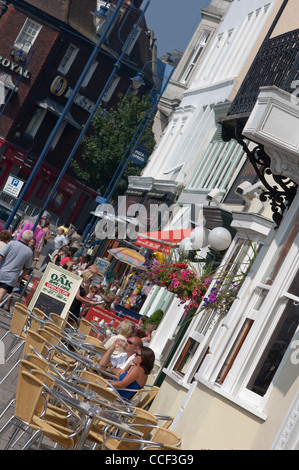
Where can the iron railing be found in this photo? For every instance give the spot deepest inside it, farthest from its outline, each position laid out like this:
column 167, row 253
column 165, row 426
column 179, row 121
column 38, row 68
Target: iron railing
column 276, row 64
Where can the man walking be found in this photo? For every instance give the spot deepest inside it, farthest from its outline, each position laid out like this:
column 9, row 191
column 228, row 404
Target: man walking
column 15, row 261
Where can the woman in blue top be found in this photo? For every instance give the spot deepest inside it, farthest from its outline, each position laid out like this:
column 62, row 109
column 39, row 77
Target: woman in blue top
column 136, row 373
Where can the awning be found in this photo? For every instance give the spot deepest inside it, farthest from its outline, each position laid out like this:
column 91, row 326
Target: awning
column 6, row 79
column 162, row 241
column 57, row 109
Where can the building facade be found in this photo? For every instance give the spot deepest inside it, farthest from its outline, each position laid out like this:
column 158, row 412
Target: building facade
column 233, row 381
column 44, row 49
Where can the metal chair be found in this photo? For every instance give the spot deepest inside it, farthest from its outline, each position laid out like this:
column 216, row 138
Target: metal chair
column 16, row 330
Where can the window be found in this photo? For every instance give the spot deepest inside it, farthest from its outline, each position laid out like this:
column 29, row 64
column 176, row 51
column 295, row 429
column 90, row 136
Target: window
column 133, row 41
column 27, row 35
column 111, row 89
column 89, row 74
column 277, row 346
column 196, row 53
column 68, row 59
column 42, row 189
column 35, row 123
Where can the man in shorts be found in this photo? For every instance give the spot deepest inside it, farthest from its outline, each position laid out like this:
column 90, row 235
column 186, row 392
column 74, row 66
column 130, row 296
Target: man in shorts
column 15, row 261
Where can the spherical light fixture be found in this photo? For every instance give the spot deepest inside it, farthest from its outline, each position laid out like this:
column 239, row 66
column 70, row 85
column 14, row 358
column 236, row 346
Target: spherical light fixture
column 199, row 238
column 185, row 246
column 219, row 238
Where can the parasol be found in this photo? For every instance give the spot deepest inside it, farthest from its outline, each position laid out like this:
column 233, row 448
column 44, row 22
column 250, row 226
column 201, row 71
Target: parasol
column 128, row 256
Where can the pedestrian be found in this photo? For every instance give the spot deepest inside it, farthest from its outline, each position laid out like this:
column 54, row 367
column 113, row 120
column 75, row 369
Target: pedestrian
column 43, row 241
column 59, row 241
column 15, row 262
column 75, row 239
column 5, row 237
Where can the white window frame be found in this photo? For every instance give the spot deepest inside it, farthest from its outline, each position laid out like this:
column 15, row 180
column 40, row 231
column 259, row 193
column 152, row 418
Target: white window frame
column 68, row 59
column 266, row 319
column 27, row 35
column 133, row 40
column 90, row 73
column 197, row 51
column 111, row 89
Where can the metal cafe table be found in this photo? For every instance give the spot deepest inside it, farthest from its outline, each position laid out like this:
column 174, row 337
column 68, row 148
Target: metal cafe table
column 92, row 412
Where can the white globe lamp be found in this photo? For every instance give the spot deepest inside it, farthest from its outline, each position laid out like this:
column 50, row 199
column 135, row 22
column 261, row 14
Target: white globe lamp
column 219, row 238
column 199, row 238
column 185, row 246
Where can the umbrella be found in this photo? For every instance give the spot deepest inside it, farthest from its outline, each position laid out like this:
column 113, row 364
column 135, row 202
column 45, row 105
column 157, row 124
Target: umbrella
column 126, row 255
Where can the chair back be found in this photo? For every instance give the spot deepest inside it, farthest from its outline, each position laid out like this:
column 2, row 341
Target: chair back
column 34, row 341
column 166, row 437
column 103, row 392
column 142, row 417
column 58, row 320
column 35, row 324
column 19, row 318
column 27, row 397
column 37, row 362
column 148, row 397
column 85, row 327
column 93, row 378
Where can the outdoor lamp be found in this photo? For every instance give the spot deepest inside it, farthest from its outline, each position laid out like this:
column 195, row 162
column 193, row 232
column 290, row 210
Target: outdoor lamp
column 199, row 237
column 137, row 81
column 185, row 246
column 219, row 238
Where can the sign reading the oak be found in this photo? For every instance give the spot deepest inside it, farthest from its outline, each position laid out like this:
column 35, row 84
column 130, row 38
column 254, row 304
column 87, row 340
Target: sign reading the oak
column 56, row 291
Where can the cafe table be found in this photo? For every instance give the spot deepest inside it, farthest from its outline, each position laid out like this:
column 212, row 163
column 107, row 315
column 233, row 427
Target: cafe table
column 92, row 412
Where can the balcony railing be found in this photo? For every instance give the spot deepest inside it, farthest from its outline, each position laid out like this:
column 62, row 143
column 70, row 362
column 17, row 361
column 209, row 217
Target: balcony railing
column 276, row 64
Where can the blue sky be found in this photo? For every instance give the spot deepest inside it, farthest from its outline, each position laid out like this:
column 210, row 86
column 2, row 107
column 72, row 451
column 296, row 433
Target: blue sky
column 174, row 22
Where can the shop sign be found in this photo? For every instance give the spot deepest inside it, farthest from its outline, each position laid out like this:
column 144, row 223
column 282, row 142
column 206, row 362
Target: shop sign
column 58, row 85
column 139, row 156
column 81, row 100
column 14, row 67
column 56, row 291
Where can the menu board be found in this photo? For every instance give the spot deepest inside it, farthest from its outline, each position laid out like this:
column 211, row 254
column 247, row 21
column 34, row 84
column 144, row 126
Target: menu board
column 56, row 291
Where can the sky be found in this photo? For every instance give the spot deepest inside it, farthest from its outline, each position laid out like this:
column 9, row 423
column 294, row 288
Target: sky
column 173, row 22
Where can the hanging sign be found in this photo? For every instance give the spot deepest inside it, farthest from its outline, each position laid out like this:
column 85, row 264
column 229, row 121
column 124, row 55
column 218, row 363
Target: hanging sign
column 139, row 156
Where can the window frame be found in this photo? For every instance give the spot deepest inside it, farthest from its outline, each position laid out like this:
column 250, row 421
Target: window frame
column 68, row 59
column 23, row 44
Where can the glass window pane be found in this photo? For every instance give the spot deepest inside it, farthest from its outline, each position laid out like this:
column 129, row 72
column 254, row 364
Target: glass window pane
column 276, row 349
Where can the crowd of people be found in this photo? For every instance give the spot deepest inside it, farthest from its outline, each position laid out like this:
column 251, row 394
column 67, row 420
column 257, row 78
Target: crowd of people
column 128, row 355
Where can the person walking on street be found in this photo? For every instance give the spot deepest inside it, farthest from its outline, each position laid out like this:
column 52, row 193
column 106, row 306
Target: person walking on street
column 15, row 262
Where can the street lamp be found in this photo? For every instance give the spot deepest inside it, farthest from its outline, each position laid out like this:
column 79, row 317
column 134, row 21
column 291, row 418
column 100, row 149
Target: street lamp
column 216, row 240
column 63, row 115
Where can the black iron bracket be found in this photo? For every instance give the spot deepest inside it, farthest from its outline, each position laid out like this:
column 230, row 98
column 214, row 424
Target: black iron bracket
column 280, row 197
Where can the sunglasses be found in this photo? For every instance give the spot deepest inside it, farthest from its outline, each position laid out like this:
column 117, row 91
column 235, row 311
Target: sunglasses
column 137, row 354
column 130, row 342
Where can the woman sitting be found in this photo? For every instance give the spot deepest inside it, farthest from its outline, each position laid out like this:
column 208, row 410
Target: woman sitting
column 136, row 373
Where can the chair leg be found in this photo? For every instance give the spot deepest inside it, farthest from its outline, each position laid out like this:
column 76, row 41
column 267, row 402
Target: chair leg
column 6, row 407
column 9, row 372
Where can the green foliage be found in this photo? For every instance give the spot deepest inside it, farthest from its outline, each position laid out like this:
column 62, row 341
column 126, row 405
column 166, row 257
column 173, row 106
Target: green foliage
column 112, row 132
column 155, row 317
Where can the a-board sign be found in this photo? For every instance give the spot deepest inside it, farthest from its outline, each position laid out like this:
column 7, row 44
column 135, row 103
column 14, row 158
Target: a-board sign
column 56, row 291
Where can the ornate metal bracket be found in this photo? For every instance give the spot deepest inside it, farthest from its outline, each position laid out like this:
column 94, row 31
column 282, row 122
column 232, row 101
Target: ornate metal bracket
column 280, row 197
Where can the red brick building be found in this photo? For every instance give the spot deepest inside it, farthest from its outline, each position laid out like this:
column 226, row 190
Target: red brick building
column 44, row 47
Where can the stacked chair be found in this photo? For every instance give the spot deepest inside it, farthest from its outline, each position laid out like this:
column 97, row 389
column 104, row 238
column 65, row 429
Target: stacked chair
column 61, row 402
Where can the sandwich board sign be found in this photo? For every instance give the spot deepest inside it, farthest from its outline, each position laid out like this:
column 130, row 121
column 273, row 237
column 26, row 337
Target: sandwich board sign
column 55, row 291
